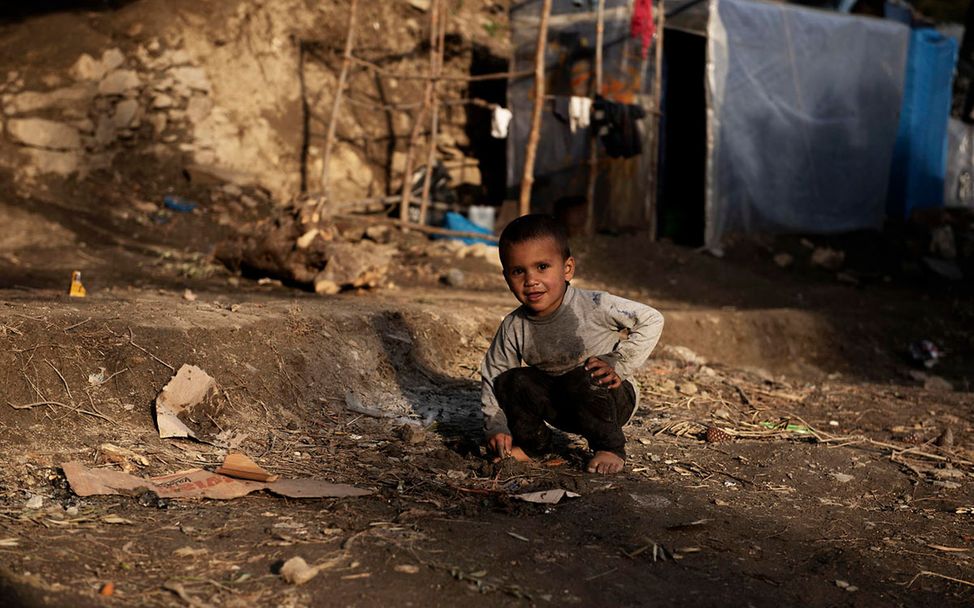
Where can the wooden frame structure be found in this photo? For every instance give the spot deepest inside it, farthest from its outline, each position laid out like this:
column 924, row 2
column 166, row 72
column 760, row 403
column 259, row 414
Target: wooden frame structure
column 432, row 101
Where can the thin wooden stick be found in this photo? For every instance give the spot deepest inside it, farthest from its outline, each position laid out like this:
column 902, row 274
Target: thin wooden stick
column 28, row 406
column 938, row 575
column 335, row 107
column 407, row 177
column 403, row 76
column 437, row 28
column 527, row 178
column 63, row 381
column 651, row 211
column 418, row 227
column 593, row 152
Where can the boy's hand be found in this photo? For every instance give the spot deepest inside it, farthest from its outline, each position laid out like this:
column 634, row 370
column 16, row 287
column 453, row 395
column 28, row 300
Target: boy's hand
column 500, row 444
column 602, row 373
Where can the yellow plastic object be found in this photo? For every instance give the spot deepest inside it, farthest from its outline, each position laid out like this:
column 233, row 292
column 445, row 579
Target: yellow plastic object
column 77, row 289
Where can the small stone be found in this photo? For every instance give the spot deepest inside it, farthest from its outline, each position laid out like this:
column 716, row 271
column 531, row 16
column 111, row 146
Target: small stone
column 297, row 571
column 162, row 101
column 783, row 260
column 119, row 82
column 407, row 568
column 35, row 502
column 43, row 133
column 158, row 122
column 841, row 584
column 412, row 435
column 842, row 477
column 191, row 77
column 379, row 233
column 87, row 67
column 454, row 277
column 125, row 113
column 71, row 511
column 189, row 296
column 198, row 109
column 688, row 388
column 830, row 259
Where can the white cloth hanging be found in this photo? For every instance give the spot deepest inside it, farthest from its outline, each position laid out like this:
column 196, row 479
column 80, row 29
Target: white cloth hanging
column 579, row 113
column 500, row 122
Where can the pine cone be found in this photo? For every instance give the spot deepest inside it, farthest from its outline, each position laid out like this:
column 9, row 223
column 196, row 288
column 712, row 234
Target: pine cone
column 715, row 435
column 914, row 438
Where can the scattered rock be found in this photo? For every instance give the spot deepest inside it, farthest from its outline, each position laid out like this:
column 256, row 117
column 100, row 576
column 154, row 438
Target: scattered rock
column 841, row 477
column 412, row 435
column 31, row 101
column 35, row 502
column 43, row 133
column 422, row 5
column 304, row 241
column 162, row 101
column 53, row 162
column 830, row 259
column 125, row 113
column 407, row 569
column 688, row 388
column 783, row 260
column 158, row 121
column 191, row 77
column 119, row 82
column 198, row 109
column 454, row 277
column 362, row 264
column 683, row 354
column 297, row 571
column 87, row 68
column 379, row 233
column 189, row 296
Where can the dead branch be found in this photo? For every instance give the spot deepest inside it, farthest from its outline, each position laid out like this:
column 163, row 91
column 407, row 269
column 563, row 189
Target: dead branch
column 527, row 177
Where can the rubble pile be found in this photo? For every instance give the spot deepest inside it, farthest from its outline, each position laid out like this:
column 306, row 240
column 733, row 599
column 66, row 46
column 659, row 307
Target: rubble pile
column 329, row 258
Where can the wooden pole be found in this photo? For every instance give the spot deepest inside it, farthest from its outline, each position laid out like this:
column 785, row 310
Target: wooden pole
column 407, row 178
column 335, row 106
column 593, row 151
column 657, row 123
column 527, row 179
column 437, row 41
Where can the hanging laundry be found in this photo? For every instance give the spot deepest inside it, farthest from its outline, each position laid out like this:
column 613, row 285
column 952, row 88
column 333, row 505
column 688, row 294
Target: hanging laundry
column 643, row 26
column 579, row 111
column 618, row 127
column 500, row 122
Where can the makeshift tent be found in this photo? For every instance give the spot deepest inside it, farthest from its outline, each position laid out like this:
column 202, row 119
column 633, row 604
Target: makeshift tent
column 803, row 111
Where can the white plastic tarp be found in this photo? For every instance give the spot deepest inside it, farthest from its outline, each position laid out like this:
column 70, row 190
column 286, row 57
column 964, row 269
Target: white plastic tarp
column 959, row 184
column 803, row 112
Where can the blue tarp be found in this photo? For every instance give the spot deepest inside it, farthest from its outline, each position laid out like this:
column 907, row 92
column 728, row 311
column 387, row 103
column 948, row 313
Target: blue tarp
column 920, row 154
column 455, row 221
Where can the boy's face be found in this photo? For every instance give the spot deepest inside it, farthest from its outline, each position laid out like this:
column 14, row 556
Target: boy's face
column 536, row 274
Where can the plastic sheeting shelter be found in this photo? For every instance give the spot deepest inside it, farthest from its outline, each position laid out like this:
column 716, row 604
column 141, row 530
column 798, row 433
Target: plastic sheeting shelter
column 920, row 155
column 802, row 118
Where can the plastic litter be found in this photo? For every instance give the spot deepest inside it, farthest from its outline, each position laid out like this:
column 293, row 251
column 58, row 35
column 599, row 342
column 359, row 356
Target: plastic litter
column 179, row 204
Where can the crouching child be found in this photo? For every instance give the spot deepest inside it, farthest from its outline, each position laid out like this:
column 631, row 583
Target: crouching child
column 560, row 358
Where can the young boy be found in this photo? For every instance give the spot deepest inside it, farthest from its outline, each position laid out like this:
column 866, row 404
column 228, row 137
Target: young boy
column 578, row 365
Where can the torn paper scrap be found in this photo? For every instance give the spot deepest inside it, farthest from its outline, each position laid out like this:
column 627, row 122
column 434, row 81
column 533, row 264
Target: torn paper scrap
column 240, row 466
column 546, row 497
column 196, row 483
column 187, row 389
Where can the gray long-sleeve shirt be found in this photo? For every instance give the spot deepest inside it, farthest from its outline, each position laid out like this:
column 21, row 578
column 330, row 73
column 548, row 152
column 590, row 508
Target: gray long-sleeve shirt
column 587, row 324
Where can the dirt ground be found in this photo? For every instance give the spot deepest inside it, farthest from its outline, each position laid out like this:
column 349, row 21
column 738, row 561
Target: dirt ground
column 831, row 489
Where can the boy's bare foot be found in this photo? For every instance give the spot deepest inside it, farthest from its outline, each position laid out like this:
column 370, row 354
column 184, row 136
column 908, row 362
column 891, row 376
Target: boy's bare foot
column 605, row 463
column 517, row 454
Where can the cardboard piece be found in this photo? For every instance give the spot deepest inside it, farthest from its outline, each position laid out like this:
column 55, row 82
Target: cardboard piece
column 196, row 483
column 546, row 497
column 240, row 466
column 187, row 389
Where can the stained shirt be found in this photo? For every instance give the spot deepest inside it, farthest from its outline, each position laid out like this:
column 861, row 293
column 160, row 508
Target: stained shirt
column 587, row 324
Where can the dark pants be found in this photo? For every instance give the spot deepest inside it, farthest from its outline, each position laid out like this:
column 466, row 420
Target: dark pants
column 571, row 402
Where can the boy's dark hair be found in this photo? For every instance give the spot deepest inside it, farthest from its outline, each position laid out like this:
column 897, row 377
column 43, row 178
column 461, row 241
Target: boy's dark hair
column 534, row 226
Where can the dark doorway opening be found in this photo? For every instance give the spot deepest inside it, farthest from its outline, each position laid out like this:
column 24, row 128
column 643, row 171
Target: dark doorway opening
column 684, row 143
